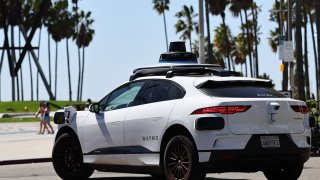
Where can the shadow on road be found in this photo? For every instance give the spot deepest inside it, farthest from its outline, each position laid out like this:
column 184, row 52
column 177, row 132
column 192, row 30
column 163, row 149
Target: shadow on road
column 149, row 178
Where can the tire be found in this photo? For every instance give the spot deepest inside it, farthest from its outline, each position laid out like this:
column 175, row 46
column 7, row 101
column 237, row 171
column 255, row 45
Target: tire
column 67, row 159
column 180, row 160
column 291, row 172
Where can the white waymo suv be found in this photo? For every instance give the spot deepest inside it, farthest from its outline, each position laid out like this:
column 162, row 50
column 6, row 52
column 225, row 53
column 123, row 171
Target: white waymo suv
column 183, row 121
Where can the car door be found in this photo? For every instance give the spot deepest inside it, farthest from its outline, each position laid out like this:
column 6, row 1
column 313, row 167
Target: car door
column 145, row 123
column 104, row 134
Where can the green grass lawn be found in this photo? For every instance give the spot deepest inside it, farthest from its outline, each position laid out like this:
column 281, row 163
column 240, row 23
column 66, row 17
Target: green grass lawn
column 32, row 106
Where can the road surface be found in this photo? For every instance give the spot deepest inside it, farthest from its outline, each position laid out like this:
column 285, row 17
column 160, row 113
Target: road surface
column 42, row 171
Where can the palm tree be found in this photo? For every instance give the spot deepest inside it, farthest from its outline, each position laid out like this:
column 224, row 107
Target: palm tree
column 221, row 45
column 28, row 22
column 239, row 52
column 245, row 7
column 83, row 39
column 14, row 18
column 312, row 20
column 186, row 24
column 50, row 18
column 57, row 29
column 161, row 7
column 274, row 39
column 236, row 10
column 210, row 57
column 317, row 7
column 1, row 63
column 255, row 10
column 301, row 91
column 306, row 60
column 217, row 7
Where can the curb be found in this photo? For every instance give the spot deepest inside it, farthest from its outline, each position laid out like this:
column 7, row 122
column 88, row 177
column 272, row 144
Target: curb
column 25, row 161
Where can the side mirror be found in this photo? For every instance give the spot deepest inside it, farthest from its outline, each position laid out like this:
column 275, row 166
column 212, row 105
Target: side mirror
column 95, row 107
column 59, row 118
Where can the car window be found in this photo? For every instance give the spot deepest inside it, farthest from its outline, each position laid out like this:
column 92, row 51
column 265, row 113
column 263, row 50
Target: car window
column 160, row 91
column 238, row 89
column 174, row 92
column 123, row 97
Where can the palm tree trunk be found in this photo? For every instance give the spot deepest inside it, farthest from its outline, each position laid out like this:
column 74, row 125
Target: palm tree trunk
column 79, row 75
column 190, row 42
column 243, row 33
column 1, row 63
column 301, row 91
column 49, row 59
column 21, row 73
column 31, row 79
column 227, row 40
column 165, row 29
column 306, row 61
column 248, row 43
column 56, row 72
column 82, row 71
column 38, row 60
column 13, row 58
column 317, row 5
column 255, row 18
column 21, row 84
column 315, row 53
column 69, row 73
column 210, row 57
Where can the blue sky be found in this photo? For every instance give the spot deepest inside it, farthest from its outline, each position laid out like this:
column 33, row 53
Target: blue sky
column 130, row 34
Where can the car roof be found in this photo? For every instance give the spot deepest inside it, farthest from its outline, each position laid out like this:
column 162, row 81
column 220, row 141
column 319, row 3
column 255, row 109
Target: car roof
column 170, row 70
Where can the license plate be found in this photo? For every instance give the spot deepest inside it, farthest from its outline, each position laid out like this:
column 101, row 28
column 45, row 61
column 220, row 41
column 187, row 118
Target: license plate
column 270, row 141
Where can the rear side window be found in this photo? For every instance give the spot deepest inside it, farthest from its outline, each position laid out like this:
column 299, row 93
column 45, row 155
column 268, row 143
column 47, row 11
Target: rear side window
column 157, row 91
column 240, row 89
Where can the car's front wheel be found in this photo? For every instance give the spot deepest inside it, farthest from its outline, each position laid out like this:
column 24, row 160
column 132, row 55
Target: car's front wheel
column 181, row 160
column 67, row 159
column 291, row 172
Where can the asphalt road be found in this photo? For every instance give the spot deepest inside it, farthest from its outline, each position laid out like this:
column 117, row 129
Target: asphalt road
column 42, row 171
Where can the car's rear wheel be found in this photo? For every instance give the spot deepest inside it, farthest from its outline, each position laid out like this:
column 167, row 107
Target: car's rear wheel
column 67, row 159
column 291, row 172
column 181, row 160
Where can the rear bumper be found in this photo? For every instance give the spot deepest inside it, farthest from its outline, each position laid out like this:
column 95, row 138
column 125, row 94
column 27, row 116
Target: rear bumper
column 255, row 158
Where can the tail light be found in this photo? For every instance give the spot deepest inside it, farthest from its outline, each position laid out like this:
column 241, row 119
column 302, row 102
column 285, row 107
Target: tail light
column 222, row 110
column 300, row 108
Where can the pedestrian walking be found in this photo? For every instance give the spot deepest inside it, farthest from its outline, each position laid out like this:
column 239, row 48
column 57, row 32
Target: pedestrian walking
column 46, row 116
column 40, row 112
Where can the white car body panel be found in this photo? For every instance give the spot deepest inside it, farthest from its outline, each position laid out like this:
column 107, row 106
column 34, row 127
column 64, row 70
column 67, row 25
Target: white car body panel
column 105, row 130
column 143, row 126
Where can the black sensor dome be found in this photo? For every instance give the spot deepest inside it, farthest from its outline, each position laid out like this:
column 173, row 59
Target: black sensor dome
column 177, row 46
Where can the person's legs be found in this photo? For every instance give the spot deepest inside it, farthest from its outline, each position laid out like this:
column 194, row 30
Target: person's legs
column 41, row 126
column 47, row 122
column 45, row 126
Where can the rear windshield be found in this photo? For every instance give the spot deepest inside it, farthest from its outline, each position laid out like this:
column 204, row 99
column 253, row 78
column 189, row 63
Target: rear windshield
column 243, row 89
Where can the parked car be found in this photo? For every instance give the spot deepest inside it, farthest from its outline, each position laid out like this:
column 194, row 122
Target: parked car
column 183, row 121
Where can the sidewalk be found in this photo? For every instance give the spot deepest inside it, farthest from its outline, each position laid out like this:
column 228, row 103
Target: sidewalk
column 20, row 143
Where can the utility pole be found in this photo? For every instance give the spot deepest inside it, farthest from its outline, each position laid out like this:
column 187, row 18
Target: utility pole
column 201, row 33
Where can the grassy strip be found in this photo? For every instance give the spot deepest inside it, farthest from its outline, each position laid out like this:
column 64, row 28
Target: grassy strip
column 12, row 120
column 31, row 106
